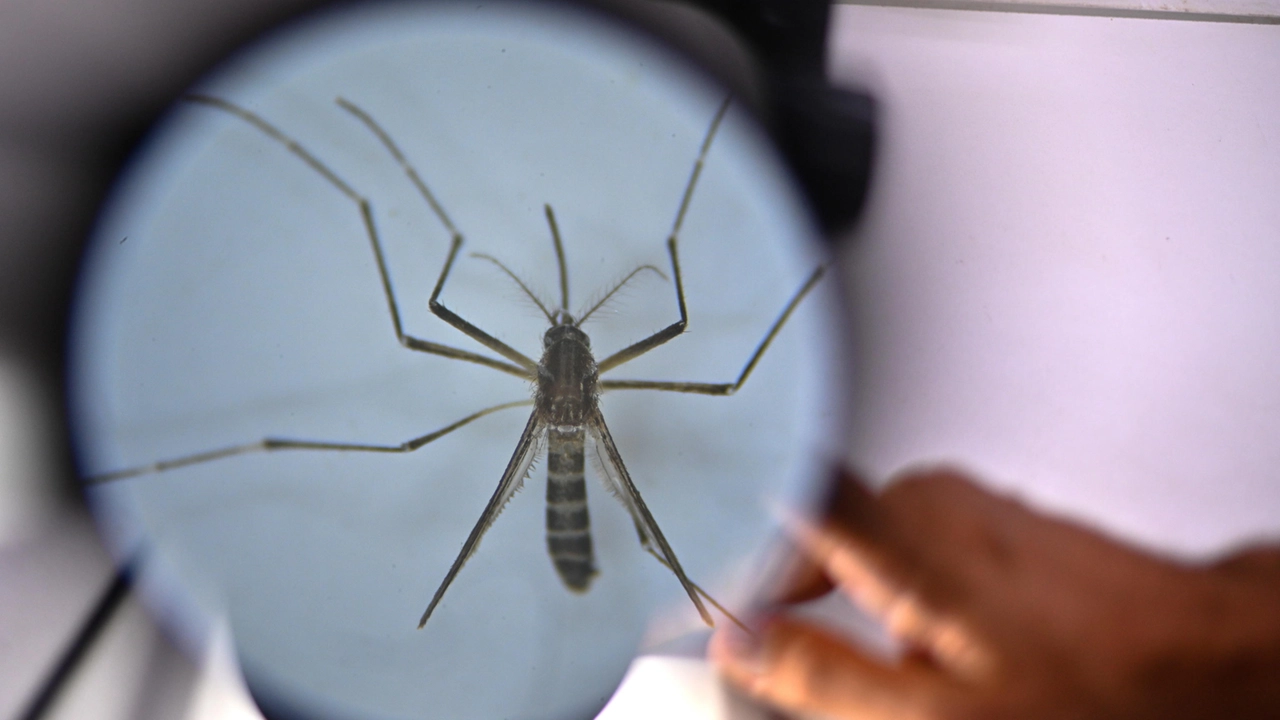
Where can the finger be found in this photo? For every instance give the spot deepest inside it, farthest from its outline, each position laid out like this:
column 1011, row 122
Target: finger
column 876, row 575
column 846, row 516
column 850, row 543
column 808, row 582
column 857, row 543
column 937, row 533
column 802, row 668
column 800, row 579
column 849, row 562
column 852, row 506
column 1256, row 560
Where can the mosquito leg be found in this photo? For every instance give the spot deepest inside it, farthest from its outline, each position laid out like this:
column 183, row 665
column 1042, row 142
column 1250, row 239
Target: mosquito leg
column 274, row 444
column 366, row 216
column 696, row 586
column 530, row 367
column 511, row 480
column 645, row 542
column 637, row 349
column 439, row 310
column 697, row 167
column 404, row 163
column 723, row 388
column 676, row 328
column 646, row 526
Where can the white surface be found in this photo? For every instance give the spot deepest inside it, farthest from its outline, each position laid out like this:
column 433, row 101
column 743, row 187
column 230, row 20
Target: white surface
column 1068, row 278
column 220, row 693
column 676, row 689
column 235, row 295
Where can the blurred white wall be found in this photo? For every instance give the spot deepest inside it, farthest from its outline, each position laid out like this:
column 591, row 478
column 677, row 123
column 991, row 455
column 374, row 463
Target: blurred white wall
column 1068, row 279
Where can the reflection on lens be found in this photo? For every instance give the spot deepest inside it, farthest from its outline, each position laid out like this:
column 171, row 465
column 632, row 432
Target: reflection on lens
column 268, row 407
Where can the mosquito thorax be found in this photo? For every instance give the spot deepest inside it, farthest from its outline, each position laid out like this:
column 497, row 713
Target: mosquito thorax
column 567, row 375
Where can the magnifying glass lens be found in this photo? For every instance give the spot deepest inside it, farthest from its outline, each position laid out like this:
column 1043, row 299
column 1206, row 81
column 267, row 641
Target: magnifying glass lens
column 390, row 266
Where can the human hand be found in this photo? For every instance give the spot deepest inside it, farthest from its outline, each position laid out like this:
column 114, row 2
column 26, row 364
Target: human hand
column 1007, row 613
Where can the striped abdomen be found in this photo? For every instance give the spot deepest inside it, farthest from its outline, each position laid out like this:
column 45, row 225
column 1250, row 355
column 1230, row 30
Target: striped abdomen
column 568, row 524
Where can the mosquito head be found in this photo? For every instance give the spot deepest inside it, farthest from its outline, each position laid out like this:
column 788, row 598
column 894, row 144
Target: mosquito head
column 562, row 317
column 565, row 332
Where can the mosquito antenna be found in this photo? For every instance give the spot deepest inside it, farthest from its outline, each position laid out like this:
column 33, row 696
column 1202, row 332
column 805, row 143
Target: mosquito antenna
column 564, row 271
column 616, row 288
column 550, row 318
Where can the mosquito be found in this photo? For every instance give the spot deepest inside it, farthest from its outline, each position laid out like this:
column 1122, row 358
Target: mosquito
column 567, row 382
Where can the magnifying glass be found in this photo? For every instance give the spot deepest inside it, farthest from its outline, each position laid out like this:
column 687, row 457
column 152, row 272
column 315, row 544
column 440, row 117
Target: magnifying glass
column 390, row 266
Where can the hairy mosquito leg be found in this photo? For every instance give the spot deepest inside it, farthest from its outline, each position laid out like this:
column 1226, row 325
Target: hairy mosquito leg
column 723, row 610
column 697, row 166
column 723, row 388
column 366, row 216
column 678, row 327
column 512, row 478
column 274, row 444
column 646, row 526
column 664, row 335
column 619, row 483
column 404, row 163
column 438, row 309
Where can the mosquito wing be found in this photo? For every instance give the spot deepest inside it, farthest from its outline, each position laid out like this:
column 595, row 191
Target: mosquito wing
column 512, row 478
column 615, row 476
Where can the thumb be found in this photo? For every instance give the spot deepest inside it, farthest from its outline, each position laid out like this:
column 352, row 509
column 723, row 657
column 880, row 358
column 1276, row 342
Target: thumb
column 802, row 668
